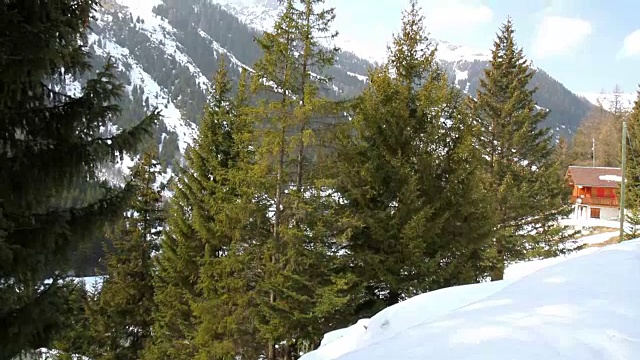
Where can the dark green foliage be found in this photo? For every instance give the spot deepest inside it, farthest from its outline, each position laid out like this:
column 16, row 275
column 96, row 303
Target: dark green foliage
column 122, row 318
column 523, row 175
column 200, row 295
column 77, row 337
column 49, row 142
column 632, row 175
column 228, row 222
column 299, row 290
column 566, row 109
column 563, row 155
column 410, row 179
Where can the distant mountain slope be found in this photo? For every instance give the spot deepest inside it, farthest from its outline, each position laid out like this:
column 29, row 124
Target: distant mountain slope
column 566, row 108
column 608, row 100
column 167, row 51
column 464, row 65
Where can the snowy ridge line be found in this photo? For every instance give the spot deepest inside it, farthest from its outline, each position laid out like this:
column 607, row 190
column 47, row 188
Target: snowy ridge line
column 358, row 76
column 240, row 65
column 240, row 9
column 606, row 100
column 158, row 96
column 216, row 46
column 162, row 34
column 260, row 15
column 449, row 52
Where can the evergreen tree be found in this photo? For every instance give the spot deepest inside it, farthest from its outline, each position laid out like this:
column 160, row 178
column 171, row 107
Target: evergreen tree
column 411, row 180
column 122, row 316
column 196, row 265
column 48, row 142
column 77, row 338
column 599, row 135
column 632, row 175
column 234, row 222
column 300, row 292
column 528, row 193
column 563, row 155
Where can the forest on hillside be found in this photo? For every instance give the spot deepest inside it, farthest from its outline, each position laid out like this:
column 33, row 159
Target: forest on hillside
column 294, row 212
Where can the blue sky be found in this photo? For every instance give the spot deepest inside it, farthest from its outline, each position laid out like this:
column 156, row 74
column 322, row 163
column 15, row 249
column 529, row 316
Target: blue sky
column 588, row 45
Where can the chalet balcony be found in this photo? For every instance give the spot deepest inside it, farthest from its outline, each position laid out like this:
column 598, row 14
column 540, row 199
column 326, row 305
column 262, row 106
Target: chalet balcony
column 598, row 201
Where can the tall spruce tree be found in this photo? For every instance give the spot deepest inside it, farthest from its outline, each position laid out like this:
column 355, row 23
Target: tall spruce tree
column 196, row 249
column 299, row 292
column 122, row 317
column 411, row 180
column 226, row 312
column 528, row 192
column 632, row 199
column 49, row 141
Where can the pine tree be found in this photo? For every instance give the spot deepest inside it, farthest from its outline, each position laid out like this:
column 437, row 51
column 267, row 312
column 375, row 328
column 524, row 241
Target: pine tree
column 563, row 155
column 50, row 141
column 632, row 175
column 123, row 316
column 528, row 193
column 410, row 178
column 196, row 263
column 300, row 291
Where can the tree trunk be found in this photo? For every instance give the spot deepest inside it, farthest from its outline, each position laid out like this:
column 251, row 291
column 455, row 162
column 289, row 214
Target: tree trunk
column 497, row 273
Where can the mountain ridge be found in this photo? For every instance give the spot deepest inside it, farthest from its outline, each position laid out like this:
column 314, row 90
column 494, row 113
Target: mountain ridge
column 457, row 59
column 167, row 50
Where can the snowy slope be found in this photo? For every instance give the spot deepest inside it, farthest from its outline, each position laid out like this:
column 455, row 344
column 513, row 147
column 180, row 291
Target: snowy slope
column 160, row 32
column 157, row 95
column 583, row 307
column 454, row 53
column 607, row 99
column 258, row 14
column 261, row 15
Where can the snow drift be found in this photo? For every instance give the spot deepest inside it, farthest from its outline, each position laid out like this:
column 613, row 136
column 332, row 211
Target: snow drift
column 586, row 306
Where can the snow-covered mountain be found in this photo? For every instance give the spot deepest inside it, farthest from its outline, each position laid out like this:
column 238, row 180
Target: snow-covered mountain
column 465, row 66
column 258, row 14
column 611, row 100
column 167, row 50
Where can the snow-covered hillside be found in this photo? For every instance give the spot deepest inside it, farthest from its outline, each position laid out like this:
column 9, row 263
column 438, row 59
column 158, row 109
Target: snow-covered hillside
column 259, row 14
column 607, row 100
column 585, row 306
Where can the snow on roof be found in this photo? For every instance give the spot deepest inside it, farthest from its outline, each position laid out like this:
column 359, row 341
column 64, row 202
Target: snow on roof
column 584, row 307
column 595, row 176
column 610, row 178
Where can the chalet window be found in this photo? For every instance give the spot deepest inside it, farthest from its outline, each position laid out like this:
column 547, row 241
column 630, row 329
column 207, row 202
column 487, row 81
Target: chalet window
column 600, row 192
column 595, row 213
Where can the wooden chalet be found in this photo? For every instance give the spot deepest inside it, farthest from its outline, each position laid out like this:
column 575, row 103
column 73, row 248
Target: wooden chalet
column 595, row 191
